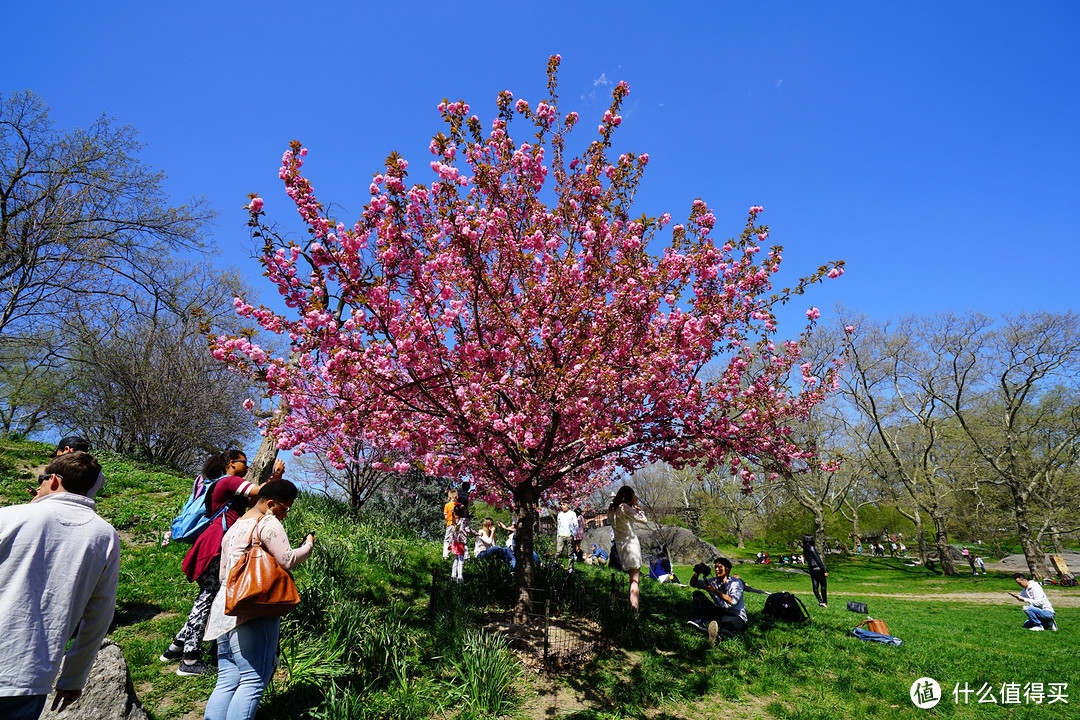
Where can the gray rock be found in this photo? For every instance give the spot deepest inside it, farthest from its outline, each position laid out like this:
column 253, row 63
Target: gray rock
column 685, row 547
column 109, row 693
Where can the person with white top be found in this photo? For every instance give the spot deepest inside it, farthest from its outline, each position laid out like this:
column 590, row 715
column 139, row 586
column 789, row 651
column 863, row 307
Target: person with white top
column 247, row 646
column 566, row 523
column 1037, row 606
column 625, row 515
column 60, row 567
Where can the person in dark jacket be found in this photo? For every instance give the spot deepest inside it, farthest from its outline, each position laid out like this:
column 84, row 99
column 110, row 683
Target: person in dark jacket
column 816, row 566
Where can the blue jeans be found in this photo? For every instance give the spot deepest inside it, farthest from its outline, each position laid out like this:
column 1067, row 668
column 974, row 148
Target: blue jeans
column 22, row 707
column 246, row 658
column 1038, row 616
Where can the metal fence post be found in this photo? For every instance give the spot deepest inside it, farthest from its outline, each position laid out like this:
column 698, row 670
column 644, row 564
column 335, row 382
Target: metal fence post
column 547, row 613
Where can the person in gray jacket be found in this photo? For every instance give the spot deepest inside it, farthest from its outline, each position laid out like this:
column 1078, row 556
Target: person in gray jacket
column 61, row 563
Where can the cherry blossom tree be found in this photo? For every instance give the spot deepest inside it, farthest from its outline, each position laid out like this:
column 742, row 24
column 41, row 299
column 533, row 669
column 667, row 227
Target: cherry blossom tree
column 510, row 322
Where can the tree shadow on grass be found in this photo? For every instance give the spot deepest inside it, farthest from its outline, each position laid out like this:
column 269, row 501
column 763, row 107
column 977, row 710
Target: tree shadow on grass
column 131, row 613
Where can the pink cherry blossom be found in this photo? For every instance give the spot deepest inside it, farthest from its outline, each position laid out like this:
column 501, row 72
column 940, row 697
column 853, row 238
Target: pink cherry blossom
column 513, row 322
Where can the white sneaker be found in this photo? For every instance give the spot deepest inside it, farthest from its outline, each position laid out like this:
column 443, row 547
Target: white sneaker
column 1053, row 626
column 1036, row 628
column 714, row 630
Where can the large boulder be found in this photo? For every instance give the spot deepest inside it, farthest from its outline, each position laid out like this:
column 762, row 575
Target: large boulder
column 109, row 693
column 685, row 547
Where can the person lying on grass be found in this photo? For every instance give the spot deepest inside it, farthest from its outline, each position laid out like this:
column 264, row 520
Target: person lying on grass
column 719, row 610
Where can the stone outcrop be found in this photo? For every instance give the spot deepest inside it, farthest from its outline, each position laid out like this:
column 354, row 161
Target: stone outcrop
column 109, row 693
column 685, row 547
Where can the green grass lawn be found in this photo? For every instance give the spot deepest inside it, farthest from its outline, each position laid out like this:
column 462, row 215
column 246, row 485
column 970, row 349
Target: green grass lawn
column 365, row 643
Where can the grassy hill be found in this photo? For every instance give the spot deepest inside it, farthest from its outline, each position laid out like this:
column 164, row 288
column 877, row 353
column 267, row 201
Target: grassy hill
column 367, row 642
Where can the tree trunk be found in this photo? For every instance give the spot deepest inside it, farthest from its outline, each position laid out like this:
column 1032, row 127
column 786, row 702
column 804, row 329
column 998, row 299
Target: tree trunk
column 739, row 542
column 1033, row 554
column 1055, row 537
column 941, row 539
column 920, row 533
column 819, row 529
column 262, row 464
column 524, row 572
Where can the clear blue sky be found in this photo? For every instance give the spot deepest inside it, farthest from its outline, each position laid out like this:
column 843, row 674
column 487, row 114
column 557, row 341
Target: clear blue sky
column 933, row 146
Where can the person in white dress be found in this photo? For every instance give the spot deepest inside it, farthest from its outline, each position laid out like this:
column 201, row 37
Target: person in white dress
column 625, row 514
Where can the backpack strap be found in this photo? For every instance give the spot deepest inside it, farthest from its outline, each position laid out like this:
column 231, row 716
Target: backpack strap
column 806, row 615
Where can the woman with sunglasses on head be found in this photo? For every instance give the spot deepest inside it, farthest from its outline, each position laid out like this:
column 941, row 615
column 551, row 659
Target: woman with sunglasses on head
column 235, row 494
column 247, row 646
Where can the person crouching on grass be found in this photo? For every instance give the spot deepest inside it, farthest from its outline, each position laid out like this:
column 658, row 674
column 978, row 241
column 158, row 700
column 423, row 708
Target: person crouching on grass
column 719, row 610
column 1036, row 605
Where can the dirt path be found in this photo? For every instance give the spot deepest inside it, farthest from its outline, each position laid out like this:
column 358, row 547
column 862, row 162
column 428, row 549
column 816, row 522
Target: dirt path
column 977, row 598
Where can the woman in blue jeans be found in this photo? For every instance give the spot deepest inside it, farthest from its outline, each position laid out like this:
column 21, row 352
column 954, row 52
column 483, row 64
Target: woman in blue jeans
column 247, row 646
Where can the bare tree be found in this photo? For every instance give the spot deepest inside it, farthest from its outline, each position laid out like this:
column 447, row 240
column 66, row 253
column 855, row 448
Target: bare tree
column 142, row 381
column 892, row 380
column 80, row 214
column 1012, row 389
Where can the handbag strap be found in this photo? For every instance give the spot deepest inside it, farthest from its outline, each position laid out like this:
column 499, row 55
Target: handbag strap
column 253, row 540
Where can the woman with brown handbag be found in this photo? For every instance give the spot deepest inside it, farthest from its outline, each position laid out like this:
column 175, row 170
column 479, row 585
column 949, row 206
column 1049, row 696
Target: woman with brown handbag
column 247, row 645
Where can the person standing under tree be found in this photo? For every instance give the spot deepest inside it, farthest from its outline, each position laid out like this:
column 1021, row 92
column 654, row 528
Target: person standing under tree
column 816, row 567
column 625, row 515
column 448, row 513
column 566, row 523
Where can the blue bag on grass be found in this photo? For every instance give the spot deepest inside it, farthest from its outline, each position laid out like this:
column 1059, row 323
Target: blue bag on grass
column 870, row 635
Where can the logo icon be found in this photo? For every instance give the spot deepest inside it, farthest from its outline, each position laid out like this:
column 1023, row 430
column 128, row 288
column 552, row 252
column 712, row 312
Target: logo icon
column 925, row 693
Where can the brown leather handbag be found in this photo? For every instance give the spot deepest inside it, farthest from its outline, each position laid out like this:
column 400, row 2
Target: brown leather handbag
column 875, row 625
column 258, row 586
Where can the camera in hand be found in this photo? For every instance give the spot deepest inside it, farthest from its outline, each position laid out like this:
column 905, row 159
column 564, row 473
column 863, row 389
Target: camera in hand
column 702, row 569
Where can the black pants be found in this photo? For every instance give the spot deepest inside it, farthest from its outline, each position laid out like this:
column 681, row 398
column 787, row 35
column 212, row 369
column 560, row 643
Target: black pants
column 705, row 609
column 817, row 577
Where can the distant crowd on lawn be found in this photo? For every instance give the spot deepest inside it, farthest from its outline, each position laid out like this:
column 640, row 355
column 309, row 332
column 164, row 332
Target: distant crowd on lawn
column 56, row 547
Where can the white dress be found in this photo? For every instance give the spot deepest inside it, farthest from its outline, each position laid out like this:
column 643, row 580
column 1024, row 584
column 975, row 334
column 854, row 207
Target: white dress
column 625, row 521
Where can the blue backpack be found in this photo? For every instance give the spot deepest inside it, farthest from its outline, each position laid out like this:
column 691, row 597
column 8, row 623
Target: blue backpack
column 192, row 519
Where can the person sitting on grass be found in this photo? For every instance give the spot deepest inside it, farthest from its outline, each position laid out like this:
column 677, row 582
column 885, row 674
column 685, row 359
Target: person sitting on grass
column 1036, row 605
column 719, row 610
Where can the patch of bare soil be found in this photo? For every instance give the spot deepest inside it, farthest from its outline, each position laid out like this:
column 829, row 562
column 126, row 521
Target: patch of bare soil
column 570, row 641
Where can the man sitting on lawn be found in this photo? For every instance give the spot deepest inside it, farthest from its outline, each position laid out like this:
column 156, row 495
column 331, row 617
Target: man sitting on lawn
column 719, row 610
column 1036, row 605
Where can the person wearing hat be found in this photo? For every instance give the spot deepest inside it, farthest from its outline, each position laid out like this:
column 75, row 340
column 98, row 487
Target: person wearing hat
column 74, row 443
column 598, row 556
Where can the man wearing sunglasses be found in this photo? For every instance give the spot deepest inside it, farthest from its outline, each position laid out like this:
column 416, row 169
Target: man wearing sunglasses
column 74, row 443
column 61, row 563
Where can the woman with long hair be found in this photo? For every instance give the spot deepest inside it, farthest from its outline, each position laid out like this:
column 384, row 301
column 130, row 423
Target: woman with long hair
column 625, row 514
column 201, row 564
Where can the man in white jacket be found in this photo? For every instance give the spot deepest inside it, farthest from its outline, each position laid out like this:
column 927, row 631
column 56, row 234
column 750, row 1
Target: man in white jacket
column 1036, row 605
column 59, row 565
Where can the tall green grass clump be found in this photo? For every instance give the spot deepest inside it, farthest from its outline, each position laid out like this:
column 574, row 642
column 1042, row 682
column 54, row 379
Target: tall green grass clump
column 486, row 674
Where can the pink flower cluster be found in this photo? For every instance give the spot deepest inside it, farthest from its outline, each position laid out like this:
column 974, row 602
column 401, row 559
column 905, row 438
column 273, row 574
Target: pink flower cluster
column 482, row 332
